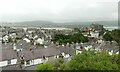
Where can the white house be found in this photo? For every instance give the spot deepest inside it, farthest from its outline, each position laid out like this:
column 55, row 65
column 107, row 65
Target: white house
column 66, row 56
column 94, row 34
column 39, row 40
column 100, row 41
column 12, row 35
column 117, row 52
column 36, row 36
column 27, row 40
column 37, row 56
column 78, row 51
column 66, row 52
column 86, row 46
column 110, row 52
column 6, row 38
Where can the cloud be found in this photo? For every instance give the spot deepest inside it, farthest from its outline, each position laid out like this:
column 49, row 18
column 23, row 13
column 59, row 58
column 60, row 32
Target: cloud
column 58, row 10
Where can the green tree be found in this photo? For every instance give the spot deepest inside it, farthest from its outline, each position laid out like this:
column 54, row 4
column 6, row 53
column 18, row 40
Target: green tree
column 57, row 63
column 116, row 35
column 77, row 30
column 113, row 35
column 101, row 33
column 44, row 66
column 63, row 39
column 89, row 60
column 108, row 36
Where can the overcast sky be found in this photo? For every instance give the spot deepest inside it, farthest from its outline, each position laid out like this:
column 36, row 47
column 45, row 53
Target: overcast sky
column 58, row 10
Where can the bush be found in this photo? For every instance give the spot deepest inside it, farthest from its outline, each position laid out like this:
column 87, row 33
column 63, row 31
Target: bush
column 44, row 66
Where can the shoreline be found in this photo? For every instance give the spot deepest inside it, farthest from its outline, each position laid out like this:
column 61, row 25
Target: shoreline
column 110, row 28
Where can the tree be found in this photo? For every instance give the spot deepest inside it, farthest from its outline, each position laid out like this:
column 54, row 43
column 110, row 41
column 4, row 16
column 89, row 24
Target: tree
column 89, row 60
column 108, row 37
column 77, row 30
column 44, row 66
column 64, row 39
column 113, row 35
column 116, row 35
column 101, row 33
column 57, row 63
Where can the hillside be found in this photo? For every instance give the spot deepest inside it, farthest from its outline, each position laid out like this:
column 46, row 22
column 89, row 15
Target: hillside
column 40, row 23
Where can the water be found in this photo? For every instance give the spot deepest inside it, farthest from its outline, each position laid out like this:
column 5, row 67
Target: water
column 109, row 25
column 110, row 28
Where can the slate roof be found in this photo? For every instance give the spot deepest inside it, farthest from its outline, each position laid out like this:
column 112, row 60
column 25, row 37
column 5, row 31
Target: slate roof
column 7, row 46
column 47, row 43
column 23, row 44
column 86, row 44
column 109, row 47
column 2, row 34
column 8, row 54
column 31, row 29
column 10, row 29
column 39, row 53
column 67, row 50
column 19, row 30
column 20, row 33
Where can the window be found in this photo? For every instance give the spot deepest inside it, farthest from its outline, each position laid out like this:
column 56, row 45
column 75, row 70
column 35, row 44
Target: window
column 9, row 62
column 28, row 62
column 44, row 57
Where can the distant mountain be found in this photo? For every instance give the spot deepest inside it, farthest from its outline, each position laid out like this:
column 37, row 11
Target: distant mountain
column 35, row 23
column 81, row 24
column 40, row 23
column 108, row 23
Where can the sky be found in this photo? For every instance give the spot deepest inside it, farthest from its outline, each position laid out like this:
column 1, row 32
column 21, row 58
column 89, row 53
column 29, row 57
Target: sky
column 58, row 10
